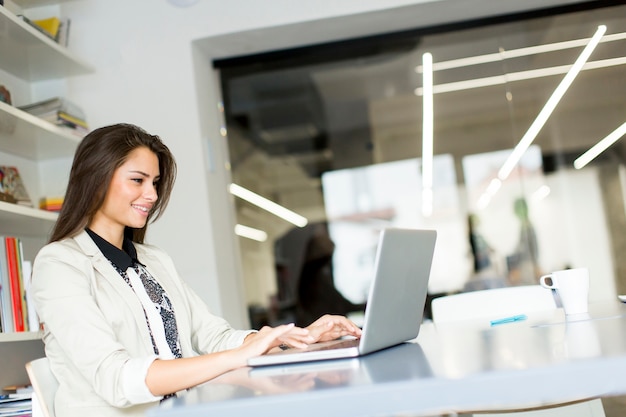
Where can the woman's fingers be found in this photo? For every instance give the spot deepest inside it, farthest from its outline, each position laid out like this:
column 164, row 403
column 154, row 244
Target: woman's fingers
column 331, row 327
column 297, row 337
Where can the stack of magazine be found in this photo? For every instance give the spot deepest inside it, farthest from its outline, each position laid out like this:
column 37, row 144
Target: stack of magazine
column 61, row 112
column 13, row 405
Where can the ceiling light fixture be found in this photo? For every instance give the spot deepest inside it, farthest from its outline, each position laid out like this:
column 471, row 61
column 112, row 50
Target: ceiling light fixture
column 540, row 193
column 250, row 233
column 518, row 76
column 268, row 205
column 600, row 147
column 492, row 189
column 427, row 135
column 517, row 53
column 550, row 105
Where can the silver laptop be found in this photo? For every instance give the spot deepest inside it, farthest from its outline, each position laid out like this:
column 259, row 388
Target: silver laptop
column 395, row 305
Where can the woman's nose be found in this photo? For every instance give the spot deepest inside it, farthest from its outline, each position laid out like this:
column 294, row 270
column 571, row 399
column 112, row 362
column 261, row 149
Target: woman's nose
column 151, row 193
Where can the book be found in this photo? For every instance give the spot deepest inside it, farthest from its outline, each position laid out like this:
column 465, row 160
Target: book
column 36, row 26
column 22, row 278
column 11, row 184
column 5, row 95
column 8, row 398
column 51, row 203
column 8, row 198
column 5, row 291
column 51, row 106
column 57, row 29
column 14, row 283
column 50, row 26
column 61, row 112
column 19, row 408
column 71, row 120
column 63, row 36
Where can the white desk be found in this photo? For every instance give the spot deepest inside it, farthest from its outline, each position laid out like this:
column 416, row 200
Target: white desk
column 453, row 367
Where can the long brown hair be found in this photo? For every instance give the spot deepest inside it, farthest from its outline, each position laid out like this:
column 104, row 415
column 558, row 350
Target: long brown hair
column 98, row 155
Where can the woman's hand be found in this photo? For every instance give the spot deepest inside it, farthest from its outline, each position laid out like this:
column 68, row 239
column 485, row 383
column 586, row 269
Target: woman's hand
column 327, row 327
column 256, row 344
column 330, row 327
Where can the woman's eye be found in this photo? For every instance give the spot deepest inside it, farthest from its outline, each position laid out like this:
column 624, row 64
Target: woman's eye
column 138, row 180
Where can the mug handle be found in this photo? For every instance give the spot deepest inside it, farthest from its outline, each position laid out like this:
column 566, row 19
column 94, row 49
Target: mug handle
column 542, row 282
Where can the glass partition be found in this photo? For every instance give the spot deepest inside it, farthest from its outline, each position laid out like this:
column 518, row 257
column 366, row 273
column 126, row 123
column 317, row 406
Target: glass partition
column 341, row 135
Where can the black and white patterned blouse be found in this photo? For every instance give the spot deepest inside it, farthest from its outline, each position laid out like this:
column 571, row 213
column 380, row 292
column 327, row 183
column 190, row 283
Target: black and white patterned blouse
column 158, row 310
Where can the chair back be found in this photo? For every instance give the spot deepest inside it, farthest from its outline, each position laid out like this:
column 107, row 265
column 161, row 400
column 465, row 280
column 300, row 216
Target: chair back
column 44, row 384
column 493, row 303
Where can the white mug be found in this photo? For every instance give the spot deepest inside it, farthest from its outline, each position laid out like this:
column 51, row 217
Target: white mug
column 572, row 286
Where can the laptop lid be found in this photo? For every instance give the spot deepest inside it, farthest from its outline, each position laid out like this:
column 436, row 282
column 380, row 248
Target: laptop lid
column 395, row 305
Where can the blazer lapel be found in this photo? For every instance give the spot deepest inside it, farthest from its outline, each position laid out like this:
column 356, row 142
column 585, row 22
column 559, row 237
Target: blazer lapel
column 104, row 270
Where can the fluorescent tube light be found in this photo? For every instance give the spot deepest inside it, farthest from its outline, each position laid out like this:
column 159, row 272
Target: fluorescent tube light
column 268, row 205
column 427, row 202
column 550, row 105
column 427, row 135
column 250, row 233
column 485, row 198
column 600, row 147
column 518, row 76
column 540, row 193
column 427, row 122
column 517, row 53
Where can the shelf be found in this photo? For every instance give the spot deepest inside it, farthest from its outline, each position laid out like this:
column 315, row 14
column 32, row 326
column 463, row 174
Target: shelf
column 27, row 4
column 19, row 336
column 30, row 137
column 31, row 56
column 25, row 221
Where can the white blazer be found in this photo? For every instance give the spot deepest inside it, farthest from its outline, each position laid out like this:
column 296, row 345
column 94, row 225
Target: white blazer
column 94, row 323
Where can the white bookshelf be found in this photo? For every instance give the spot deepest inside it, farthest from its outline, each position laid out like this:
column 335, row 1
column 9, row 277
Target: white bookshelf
column 36, row 57
column 31, row 57
column 25, row 221
column 20, row 336
column 30, row 137
column 28, row 4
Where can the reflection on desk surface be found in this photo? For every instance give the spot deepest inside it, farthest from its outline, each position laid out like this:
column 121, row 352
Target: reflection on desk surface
column 408, row 362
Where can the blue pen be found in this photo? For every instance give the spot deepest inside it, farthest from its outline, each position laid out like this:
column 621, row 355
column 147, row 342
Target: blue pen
column 511, row 319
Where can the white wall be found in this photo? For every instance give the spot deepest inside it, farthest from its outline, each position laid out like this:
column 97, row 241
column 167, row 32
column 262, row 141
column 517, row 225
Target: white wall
column 150, row 74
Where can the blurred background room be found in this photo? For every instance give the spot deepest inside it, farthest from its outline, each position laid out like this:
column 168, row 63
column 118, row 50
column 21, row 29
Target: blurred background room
column 341, row 135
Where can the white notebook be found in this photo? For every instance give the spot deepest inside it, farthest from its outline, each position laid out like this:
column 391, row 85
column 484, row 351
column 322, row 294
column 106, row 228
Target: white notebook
column 395, row 305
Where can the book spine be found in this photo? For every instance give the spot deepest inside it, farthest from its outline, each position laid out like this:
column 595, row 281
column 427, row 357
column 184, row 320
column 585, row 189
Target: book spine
column 1, row 311
column 22, row 281
column 5, row 292
column 14, row 280
column 63, row 116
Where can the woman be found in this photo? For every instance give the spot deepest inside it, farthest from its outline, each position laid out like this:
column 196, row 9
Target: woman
column 121, row 329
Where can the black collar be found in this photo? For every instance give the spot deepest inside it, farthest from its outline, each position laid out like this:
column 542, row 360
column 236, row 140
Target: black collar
column 124, row 258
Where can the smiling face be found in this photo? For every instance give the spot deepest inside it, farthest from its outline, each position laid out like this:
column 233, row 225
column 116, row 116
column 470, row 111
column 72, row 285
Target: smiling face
column 130, row 196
